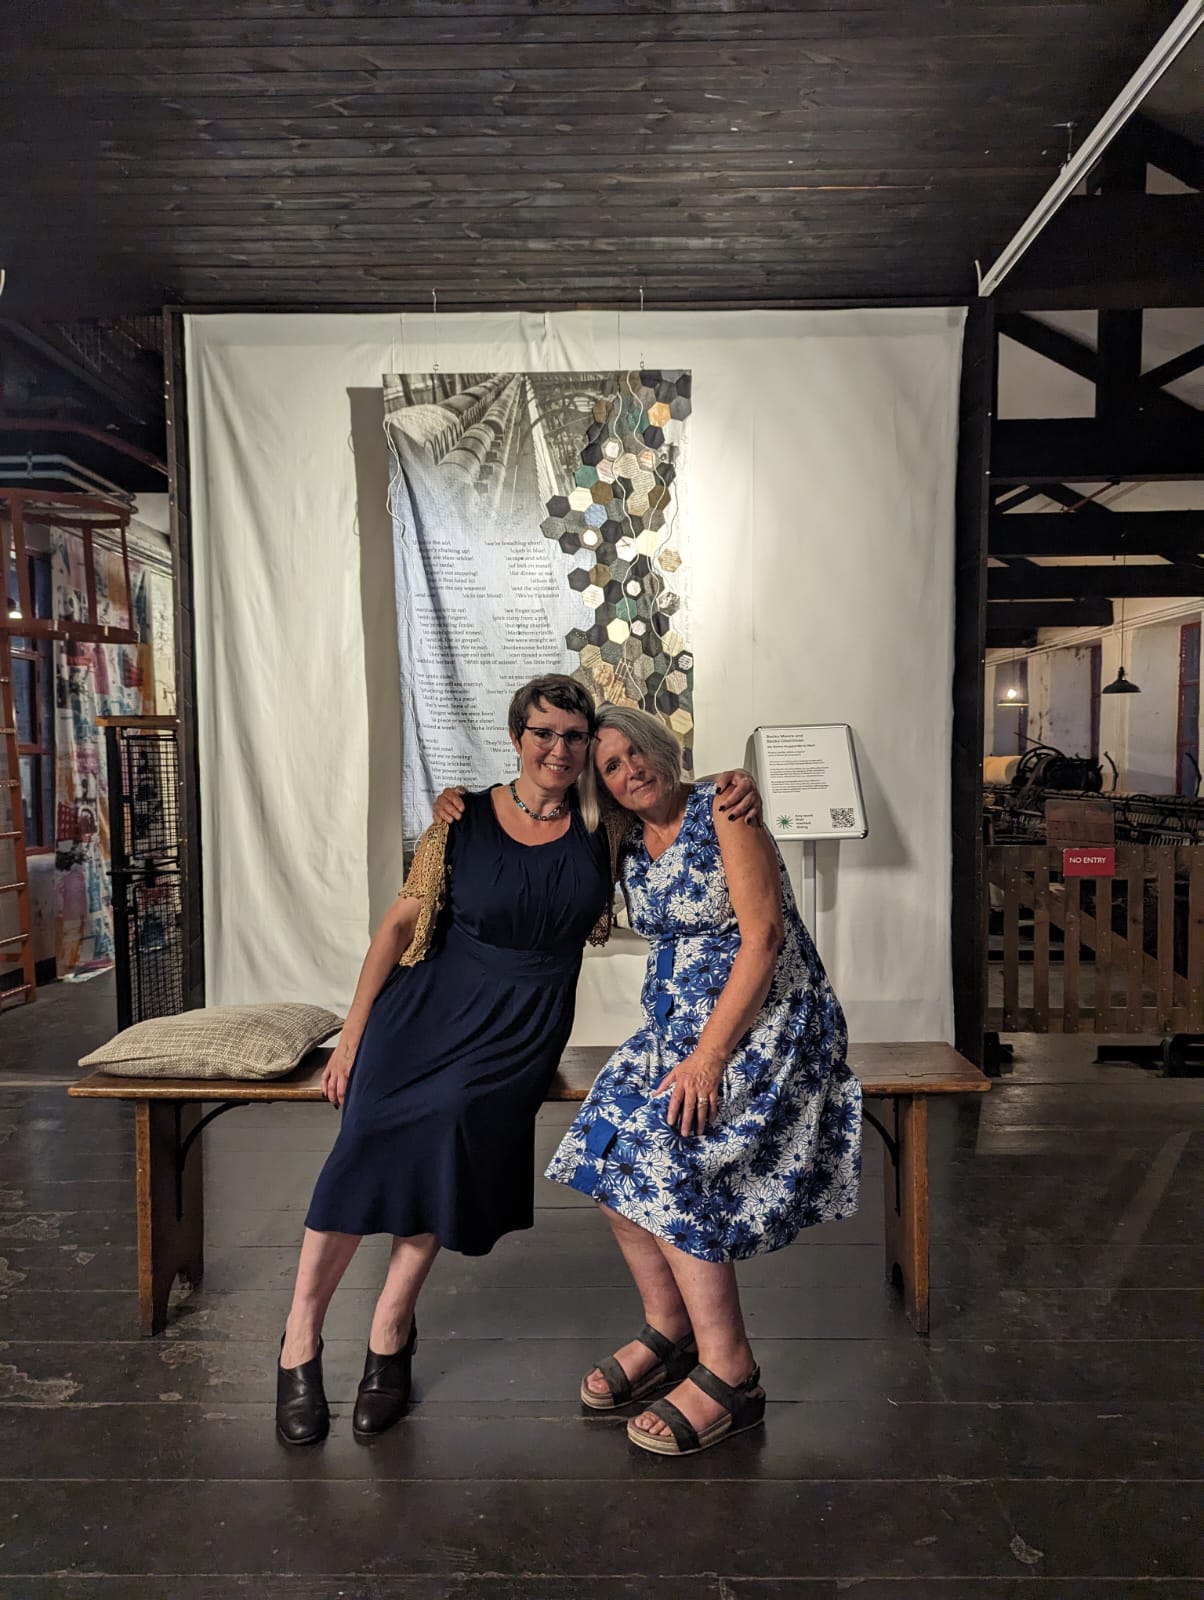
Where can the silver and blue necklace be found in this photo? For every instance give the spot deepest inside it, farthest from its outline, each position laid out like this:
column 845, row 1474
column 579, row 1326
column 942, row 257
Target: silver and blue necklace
column 536, row 816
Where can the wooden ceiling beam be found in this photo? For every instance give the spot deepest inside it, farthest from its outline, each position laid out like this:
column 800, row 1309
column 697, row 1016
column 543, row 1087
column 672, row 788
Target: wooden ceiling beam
column 136, row 405
column 1043, row 340
column 1067, row 351
column 1028, row 616
column 1170, row 152
column 1010, row 638
column 1062, row 449
column 1112, row 252
column 1170, row 534
column 1152, row 582
column 1075, row 500
column 1177, row 367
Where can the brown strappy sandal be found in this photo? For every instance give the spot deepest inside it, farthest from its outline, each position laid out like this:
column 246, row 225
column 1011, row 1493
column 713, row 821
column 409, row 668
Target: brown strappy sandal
column 745, row 1406
column 674, row 1362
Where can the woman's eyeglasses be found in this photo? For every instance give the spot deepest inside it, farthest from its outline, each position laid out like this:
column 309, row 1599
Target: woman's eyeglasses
column 547, row 737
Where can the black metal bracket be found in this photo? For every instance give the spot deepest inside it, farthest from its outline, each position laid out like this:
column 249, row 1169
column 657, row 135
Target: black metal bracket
column 892, row 1146
column 183, row 1146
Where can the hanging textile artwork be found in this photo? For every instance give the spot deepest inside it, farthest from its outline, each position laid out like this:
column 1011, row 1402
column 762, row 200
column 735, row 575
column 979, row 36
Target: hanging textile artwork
column 90, row 681
column 538, row 527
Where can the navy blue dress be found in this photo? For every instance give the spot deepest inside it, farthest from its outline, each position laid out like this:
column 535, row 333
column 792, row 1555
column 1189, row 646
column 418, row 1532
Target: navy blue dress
column 438, row 1125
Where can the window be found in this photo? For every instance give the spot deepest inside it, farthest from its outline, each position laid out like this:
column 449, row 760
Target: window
column 33, row 704
column 1187, row 738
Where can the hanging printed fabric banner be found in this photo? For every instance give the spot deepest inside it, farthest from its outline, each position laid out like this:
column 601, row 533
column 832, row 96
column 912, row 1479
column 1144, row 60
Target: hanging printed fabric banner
column 538, row 526
column 91, row 681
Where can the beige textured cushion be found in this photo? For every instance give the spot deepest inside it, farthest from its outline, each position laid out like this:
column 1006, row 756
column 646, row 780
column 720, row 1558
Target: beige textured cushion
column 217, row 1042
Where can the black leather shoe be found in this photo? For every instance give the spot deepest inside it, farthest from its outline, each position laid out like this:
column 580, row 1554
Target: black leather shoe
column 302, row 1415
column 384, row 1391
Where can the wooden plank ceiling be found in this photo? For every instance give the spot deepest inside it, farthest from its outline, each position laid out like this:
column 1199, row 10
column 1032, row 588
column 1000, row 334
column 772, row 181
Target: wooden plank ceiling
column 550, row 153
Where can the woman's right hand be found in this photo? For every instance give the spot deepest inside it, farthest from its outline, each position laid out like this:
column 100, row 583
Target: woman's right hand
column 338, row 1070
column 449, row 805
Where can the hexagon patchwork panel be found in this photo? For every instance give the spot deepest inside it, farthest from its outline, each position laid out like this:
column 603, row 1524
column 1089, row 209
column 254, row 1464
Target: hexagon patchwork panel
column 625, row 451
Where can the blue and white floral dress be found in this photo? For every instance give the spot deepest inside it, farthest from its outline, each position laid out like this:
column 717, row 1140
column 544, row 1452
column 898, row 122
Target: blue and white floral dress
column 785, row 1151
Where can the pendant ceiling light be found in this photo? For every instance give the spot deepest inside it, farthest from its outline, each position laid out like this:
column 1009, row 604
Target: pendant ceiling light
column 1121, row 684
column 1013, row 698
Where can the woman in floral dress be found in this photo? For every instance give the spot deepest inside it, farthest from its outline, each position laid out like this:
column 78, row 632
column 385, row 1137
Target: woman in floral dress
column 730, row 1121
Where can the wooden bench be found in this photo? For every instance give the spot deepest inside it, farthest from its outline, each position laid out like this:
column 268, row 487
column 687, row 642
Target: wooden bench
column 169, row 1116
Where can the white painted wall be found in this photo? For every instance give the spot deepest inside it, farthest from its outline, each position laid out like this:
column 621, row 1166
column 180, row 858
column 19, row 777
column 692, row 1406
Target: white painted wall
column 1154, row 714
column 802, row 551
column 1060, row 700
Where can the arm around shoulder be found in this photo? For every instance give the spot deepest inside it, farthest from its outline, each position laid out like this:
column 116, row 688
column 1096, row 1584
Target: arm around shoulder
column 425, row 888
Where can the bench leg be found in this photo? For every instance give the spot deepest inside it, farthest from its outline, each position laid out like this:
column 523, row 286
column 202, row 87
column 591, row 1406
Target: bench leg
column 906, row 1196
column 170, row 1245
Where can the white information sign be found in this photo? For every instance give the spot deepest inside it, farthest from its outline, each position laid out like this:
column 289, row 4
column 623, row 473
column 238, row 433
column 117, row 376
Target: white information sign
column 809, row 782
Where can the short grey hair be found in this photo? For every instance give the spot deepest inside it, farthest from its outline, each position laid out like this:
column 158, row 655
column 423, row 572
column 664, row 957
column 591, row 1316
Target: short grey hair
column 646, row 735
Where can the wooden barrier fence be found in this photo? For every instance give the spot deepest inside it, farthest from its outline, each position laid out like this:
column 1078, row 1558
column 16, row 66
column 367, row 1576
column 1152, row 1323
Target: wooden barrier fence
column 1098, row 955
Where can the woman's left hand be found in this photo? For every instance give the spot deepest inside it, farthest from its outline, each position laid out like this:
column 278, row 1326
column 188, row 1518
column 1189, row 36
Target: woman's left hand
column 738, row 796
column 693, row 1090
column 449, row 805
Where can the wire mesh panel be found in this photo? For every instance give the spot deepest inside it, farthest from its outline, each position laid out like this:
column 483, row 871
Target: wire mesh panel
column 154, row 950
column 144, row 816
column 150, row 794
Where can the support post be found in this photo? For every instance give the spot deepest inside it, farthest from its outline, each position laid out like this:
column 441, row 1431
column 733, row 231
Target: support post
column 169, row 1245
column 968, row 913
column 905, row 1197
column 176, row 397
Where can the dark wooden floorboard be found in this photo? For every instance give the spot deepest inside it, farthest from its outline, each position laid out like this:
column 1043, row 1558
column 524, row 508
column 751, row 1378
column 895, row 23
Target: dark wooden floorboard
column 952, row 1589
column 527, row 1587
column 581, row 1527
column 868, row 1440
column 544, row 1373
column 1042, row 1444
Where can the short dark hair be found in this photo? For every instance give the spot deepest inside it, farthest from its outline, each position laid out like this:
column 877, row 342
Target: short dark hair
column 554, row 689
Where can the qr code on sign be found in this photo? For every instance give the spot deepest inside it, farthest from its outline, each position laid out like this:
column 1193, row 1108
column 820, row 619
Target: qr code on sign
column 842, row 816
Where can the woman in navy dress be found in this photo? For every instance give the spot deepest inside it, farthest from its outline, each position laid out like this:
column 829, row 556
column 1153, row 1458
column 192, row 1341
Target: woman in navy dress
column 442, row 1064
column 730, row 1120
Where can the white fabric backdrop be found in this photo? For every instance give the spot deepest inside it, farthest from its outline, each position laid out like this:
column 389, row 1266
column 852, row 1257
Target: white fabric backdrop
column 821, row 513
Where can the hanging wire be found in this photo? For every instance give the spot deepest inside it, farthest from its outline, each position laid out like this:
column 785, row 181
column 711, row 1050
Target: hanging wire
column 1070, row 128
column 1124, row 561
column 435, row 328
